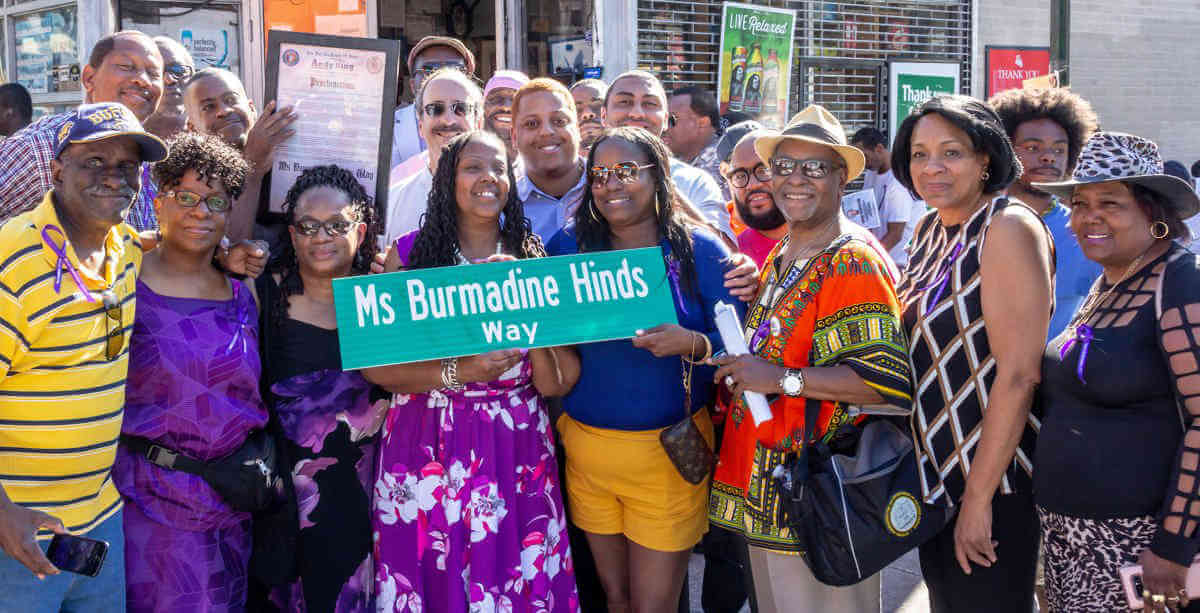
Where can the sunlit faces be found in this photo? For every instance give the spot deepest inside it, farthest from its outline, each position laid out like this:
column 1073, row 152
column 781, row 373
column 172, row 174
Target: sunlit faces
column 433, row 58
column 97, row 181
column 196, row 228
column 1042, row 147
column 803, row 199
column 589, row 107
column 497, row 113
column 754, row 201
column 481, row 181
column 325, row 253
column 177, row 67
column 623, row 203
column 545, row 132
column 218, row 104
column 132, row 74
column 438, row 130
column 636, row 101
column 946, row 171
column 1110, row 225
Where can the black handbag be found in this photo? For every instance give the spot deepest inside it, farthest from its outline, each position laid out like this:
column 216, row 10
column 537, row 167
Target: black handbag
column 858, row 511
column 245, row 479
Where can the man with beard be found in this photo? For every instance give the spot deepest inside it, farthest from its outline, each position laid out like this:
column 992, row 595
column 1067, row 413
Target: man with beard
column 589, row 107
column 750, row 180
column 217, row 103
column 694, row 130
column 178, row 66
column 898, row 210
column 498, row 106
column 429, row 55
column 124, row 67
column 449, row 104
column 1048, row 128
column 547, row 136
column 637, row 99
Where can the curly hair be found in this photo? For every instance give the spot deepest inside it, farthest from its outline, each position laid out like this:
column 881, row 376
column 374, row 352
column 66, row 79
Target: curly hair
column 206, row 154
column 591, row 228
column 437, row 240
column 285, row 264
column 1062, row 106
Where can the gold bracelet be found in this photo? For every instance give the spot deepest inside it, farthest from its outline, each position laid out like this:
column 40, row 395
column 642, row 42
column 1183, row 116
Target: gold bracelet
column 707, row 349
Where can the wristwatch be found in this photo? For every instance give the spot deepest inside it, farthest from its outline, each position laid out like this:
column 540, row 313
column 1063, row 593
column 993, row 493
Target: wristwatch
column 792, row 382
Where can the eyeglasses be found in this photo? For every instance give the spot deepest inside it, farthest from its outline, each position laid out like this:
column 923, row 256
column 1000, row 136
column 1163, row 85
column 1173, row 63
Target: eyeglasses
column 741, row 177
column 215, row 204
column 813, row 169
column 178, row 72
column 333, row 228
column 114, row 328
column 435, row 109
column 432, row 67
column 626, row 172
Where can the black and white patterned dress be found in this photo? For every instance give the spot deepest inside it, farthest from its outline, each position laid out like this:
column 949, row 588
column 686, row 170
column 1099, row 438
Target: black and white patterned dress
column 952, row 360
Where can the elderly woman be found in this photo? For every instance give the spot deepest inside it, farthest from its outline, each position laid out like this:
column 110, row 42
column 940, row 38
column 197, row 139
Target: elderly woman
column 825, row 326
column 1117, row 455
column 977, row 297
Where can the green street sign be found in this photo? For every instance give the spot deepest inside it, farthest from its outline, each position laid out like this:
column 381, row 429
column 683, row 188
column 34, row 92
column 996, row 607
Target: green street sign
column 433, row 313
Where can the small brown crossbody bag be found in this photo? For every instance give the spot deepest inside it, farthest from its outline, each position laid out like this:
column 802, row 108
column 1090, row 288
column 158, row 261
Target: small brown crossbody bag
column 683, row 441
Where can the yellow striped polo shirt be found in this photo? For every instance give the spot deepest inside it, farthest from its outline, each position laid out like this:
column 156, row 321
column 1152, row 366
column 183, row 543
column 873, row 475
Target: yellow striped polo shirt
column 61, row 398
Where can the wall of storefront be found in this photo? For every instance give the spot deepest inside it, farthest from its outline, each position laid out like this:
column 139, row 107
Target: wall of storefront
column 1009, row 23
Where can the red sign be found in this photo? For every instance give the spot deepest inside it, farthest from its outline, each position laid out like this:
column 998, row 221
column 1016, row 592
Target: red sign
column 1008, row 67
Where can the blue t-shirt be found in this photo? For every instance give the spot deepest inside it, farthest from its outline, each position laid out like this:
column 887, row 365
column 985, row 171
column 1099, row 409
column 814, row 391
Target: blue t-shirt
column 622, row 387
column 1074, row 273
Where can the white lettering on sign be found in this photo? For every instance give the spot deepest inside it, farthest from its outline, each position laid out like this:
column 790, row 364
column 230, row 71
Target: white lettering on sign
column 498, row 331
column 367, row 305
column 604, row 285
column 756, row 24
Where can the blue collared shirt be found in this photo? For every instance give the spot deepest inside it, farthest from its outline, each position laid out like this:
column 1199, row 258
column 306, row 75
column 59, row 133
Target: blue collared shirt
column 546, row 213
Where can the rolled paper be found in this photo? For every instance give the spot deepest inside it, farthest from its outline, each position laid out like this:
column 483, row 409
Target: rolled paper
column 729, row 325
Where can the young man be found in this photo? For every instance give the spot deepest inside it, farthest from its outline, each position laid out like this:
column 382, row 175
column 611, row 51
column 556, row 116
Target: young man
column 427, row 56
column 694, row 130
column 124, row 67
column 898, row 210
column 1048, row 128
column 216, row 103
column 171, row 117
column 637, row 99
column 547, row 136
column 498, row 105
column 589, row 107
column 16, row 108
column 442, row 97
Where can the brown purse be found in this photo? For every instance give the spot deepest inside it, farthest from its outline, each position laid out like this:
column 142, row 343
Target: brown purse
column 683, row 442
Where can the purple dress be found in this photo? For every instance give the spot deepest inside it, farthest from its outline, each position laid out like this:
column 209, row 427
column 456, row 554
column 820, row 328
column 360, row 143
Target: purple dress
column 468, row 513
column 192, row 386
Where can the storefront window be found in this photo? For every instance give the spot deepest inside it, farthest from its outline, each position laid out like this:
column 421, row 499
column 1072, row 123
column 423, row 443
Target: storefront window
column 210, row 33
column 47, row 53
column 560, row 37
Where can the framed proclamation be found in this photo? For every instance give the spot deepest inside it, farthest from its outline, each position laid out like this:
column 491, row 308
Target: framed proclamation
column 344, row 91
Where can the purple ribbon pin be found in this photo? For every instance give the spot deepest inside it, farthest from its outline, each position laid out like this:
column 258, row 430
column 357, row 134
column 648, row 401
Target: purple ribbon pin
column 1083, row 334
column 942, row 279
column 63, row 262
column 673, row 275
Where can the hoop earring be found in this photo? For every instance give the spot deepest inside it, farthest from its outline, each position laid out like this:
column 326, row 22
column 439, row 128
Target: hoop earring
column 657, row 209
column 592, row 211
column 1163, row 227
column 985, row 176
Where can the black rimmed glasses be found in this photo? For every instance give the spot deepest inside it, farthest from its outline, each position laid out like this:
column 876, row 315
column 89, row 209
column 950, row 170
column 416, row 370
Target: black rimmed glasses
column 814, row 169
column 333, row 227
column 626, row 172
column 435, row 109
column 215, row 204
column 178, row 72
column 741, row 177
column 114, row 325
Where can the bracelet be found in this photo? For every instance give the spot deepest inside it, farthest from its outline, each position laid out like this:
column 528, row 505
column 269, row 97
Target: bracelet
column 707, row 349
column 450, row 375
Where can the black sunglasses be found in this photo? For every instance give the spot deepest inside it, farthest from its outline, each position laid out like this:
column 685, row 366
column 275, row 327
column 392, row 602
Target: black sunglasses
column 178, row 72
column 741, row 177
column 626, row 172
column 215, row 204
column 333, row 227
column 813, row 169
column 114, row 328
column 435, row 109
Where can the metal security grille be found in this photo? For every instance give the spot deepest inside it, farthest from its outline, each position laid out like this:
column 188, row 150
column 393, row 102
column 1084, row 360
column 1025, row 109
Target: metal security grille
column 840, row 47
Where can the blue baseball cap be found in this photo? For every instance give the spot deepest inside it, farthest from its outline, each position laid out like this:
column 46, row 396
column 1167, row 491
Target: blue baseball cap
column 94, row 122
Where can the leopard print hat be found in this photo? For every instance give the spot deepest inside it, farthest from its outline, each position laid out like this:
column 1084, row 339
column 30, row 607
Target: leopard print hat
column 1114, row 156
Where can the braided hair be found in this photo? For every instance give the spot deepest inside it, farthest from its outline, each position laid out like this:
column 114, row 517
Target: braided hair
column 591, row 228
column 285, row 263
column 437, row 240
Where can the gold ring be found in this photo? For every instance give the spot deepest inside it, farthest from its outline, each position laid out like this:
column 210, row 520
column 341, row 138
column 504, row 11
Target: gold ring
column 1158, row 598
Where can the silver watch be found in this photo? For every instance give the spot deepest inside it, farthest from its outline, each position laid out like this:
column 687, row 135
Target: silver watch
column 792, row 382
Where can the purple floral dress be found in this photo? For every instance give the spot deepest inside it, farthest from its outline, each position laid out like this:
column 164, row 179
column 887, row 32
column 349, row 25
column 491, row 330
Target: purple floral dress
column 468, row 513
column 193, row 386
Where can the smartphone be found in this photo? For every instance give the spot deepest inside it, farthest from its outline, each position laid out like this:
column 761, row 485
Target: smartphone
column 1131, row 580
column 77, row 554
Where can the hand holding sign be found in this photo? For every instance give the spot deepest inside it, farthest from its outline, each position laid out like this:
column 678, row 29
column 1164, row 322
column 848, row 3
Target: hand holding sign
column 668, row 339
column 487, row 366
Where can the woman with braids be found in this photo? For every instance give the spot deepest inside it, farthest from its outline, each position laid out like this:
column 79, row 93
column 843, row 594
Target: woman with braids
column 640, row 515
column 192, row 389
column 329, row 418
column 467, row 512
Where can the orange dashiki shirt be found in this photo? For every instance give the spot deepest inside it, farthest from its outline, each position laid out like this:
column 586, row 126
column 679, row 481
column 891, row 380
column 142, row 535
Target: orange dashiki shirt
column 837, row 308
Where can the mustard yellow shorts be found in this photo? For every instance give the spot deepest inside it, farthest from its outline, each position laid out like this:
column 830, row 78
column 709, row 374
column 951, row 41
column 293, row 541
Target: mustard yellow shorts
column 622, row 482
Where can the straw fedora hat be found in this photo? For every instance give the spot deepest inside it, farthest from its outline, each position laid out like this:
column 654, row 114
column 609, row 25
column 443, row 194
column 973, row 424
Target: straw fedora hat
column 814, row 124
column 1114, row 156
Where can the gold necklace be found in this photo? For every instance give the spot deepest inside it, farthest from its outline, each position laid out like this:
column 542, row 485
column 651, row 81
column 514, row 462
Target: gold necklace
column 1092, row 304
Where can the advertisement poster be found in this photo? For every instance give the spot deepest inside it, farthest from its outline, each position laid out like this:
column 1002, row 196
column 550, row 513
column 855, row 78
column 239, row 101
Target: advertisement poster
column 911, row 83
column 1009, row 67
column 756, row 61
column 208, row 46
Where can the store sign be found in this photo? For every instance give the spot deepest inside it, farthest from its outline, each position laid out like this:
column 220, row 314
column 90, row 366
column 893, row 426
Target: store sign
column 455, row 311
column 1009, row 67
column 209, row 47
column 912, row 83
column 756, row 61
